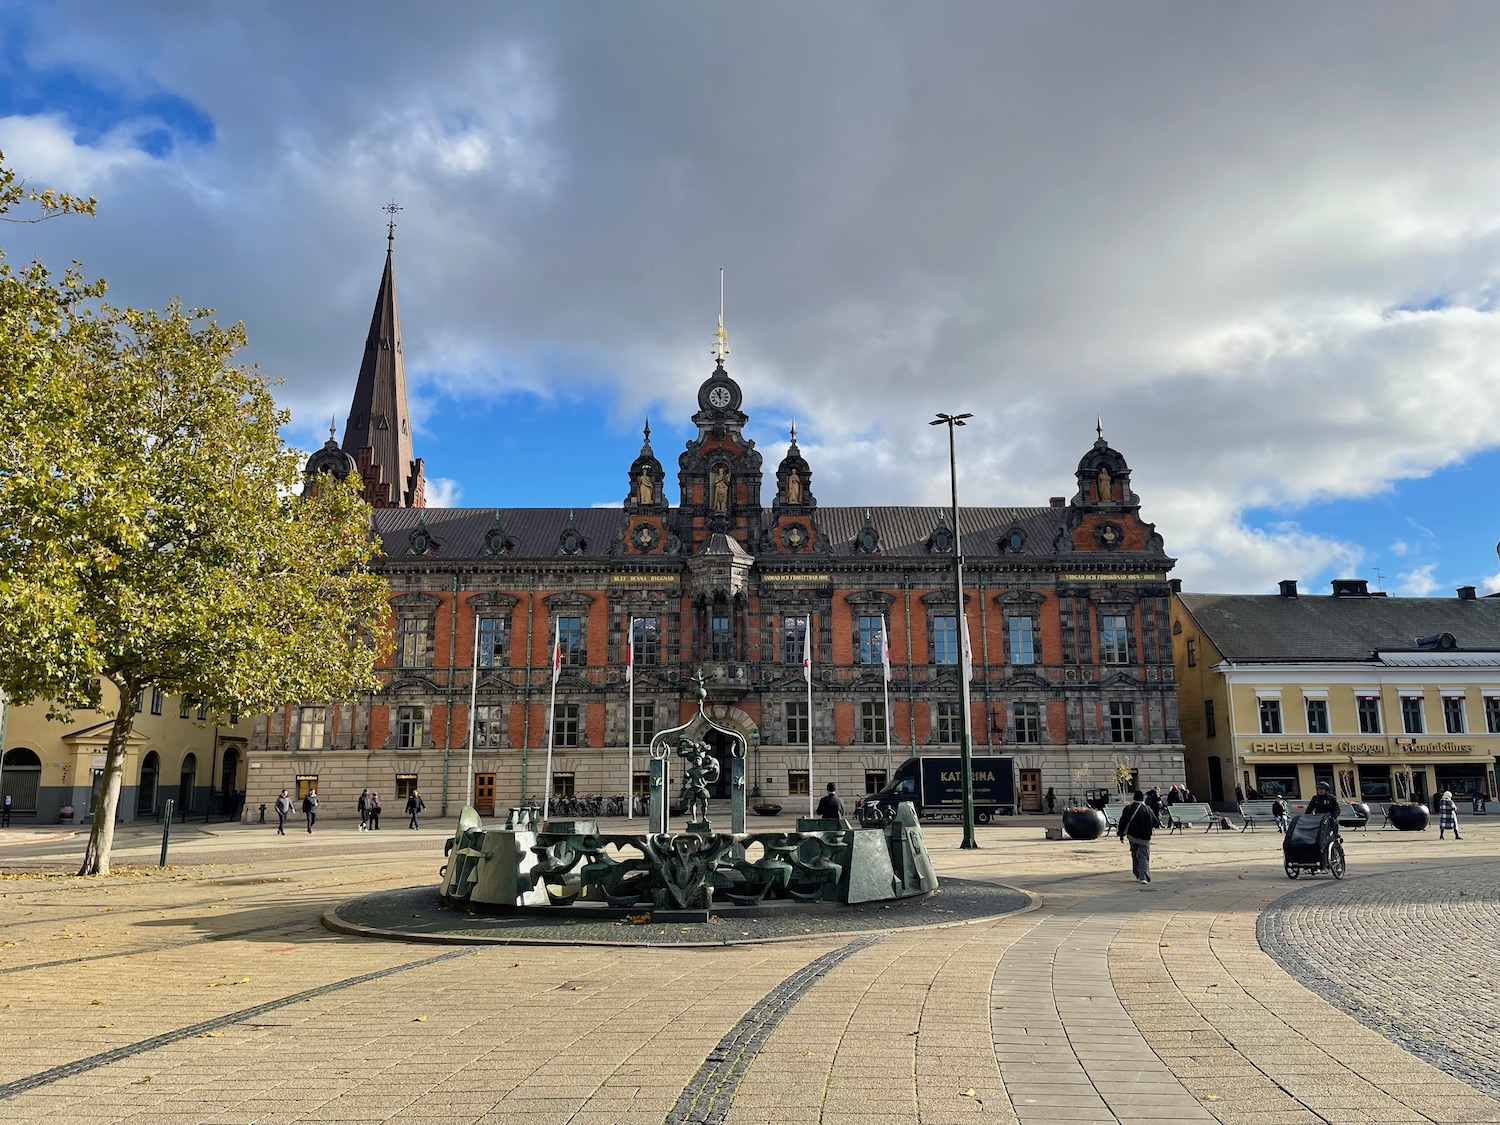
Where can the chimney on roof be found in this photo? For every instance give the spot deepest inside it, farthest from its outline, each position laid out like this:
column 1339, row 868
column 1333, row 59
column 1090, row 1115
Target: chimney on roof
column 1351, row 587
column 1288, row 587
column 1176, row 585
column 1058, row 501
column 1466, row 593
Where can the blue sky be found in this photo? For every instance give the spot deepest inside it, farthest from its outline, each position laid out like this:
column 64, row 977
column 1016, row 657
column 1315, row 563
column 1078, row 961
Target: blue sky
column 1261, row 243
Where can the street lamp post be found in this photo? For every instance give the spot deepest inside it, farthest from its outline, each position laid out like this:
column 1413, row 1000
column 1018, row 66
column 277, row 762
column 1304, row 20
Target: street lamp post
column 960, row 620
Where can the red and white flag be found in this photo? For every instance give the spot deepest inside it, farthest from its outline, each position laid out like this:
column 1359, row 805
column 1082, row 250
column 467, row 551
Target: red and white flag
column 556, row 652
column 968, row 652
column 630, row 652
column 885, row 651
column 807, row 649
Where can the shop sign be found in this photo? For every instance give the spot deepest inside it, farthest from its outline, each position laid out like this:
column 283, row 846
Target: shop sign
column 1280, row 746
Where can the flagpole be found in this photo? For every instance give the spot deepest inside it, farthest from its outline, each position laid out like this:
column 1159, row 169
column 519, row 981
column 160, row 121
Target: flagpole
column 885, row 659
column 473, row 695
column 552, row 716
column 630, row 722
column 807, row 672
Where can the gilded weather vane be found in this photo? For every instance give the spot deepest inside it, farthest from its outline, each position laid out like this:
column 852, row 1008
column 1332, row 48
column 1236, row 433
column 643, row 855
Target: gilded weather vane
column 721, row 338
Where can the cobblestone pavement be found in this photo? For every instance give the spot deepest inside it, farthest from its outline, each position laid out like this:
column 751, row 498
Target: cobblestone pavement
column 1418, row 960
column 210, row 993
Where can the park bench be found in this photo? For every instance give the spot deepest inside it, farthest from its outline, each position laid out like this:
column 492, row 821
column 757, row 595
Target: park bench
column 1112, row 813
column 1349, row 816
column 1256, row 812
column 1187, row 814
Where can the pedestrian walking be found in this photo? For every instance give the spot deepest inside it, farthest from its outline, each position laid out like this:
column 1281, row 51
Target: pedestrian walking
column 1136, row 825
column 283, row 810
column 5, row 812
column 831, row 806
column 1278, row 810
column 372, row 808
column 1153, row 801
column 364, row 809
column 1447, row 815
column 414, row 807
column 310, row 808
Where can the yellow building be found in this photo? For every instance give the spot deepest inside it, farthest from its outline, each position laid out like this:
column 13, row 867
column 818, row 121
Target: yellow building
column 50, row 770
column 1384, row 698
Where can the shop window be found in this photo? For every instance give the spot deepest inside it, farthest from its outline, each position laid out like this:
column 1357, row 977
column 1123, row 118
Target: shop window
column 797, row 783
column 565, row 725
column 1022, row 639
column 874, row 781
column 563, row 784
column 1453, row 714
column 1317, row 716
column 312, row 725
column 1209, row 727
column 406, row 785
column 949, row 722
column 1026, row 722
column 489, row 726
column 872, row 723
column 1367, row 709
column 1412, row 719
column 1270, row 716
column 796, row 723
column 1122, row 722
column 1277, row 781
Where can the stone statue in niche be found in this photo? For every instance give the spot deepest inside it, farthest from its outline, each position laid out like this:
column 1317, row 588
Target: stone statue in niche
column 720, row 500
column 644, row 488
column 1106, row 486
column 794, row 488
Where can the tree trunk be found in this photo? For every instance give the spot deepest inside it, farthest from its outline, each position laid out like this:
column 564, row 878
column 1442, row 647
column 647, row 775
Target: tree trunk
column 102, row 836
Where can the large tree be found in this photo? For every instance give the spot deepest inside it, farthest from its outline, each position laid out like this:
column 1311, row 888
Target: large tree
column 152, row 530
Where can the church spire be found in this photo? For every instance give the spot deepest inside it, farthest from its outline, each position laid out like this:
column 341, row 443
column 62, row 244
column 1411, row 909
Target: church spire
column 378, row 432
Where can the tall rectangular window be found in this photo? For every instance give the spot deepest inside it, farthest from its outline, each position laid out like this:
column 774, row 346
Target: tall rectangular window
column 184, row 706
column 945, row 639
column 409, row 728
column 570, row 641
column 647, row 641
column 1270, row 716
column 796, row 724
column 489, row 726
column 1317, row 716
column 1367, row 709
column 1022, row 640
column 1122, row 722
column 1192, row 653
column 1492, row 714
column 796, row 783
column 792, row 631
column 872, row 723
column 564, row 784
column 1026, row 722
column 874, row 781
column 949, row 722
column 565, row 725
column 870, row 631
column 411, row 642
column 644, row 723
column 156, row 701
column 1412, row 719
column 720, row 638
column 1114, row 639
column 1453, row 714
column 312, row 728
column 406, row 785
column 1210, row 728
column 202, row 711
column 140, row 700
column 492, row 634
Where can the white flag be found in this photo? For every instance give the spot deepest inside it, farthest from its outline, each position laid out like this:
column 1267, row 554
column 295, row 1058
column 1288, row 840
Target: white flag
column 807, row 649
column 630, row 652
column 885, row 651
column 968, row 653
column 557, row 652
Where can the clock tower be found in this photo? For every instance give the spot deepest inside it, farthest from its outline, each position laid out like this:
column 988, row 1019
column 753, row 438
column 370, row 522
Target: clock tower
column 719, row 473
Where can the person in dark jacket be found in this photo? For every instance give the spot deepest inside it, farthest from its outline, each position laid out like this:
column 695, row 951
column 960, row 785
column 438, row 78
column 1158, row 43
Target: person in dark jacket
column 831, row 807
column 283, row 810
column 372, row 807
column 1173, row 795
column 1278, row 811
column 1153, row 802
column 310, row 808
column 364, row 809
column 1324, row 802
column 414, row 807
column 1137, row 822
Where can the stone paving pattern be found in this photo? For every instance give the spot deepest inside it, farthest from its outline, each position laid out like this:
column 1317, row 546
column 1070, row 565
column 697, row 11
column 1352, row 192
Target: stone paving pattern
column 1112, row 1002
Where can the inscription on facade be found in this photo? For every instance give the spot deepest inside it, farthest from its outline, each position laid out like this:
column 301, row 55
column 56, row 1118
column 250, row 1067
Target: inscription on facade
column 1277, row 746
column 1156, row 577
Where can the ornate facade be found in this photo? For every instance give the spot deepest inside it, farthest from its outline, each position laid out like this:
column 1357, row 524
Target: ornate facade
column 1067, row 606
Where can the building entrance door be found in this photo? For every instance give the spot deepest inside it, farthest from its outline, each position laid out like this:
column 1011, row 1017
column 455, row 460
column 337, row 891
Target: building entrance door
column 1215, row 779
column 484, row 793
column 720, row 744
column 1031, row 790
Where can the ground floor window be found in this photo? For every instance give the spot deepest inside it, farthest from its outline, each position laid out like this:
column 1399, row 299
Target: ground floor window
column 1277, row 781
column 1462, row 779
column 640, row 783
column 406, row 785
column 562, row 784
column 21, row 779
column 1026, row 722
column 874, row 781
column 306, row 783
column 797, row 783
column 1375, row 783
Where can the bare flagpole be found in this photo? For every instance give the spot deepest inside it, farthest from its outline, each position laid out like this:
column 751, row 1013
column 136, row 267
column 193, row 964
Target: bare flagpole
column 552, row 715
column 473, row 695
column 630, row 722
column 807, row 675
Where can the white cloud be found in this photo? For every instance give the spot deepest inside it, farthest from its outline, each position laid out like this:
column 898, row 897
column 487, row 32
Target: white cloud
column 443, row 493
column 44, row 150
column 1418, row 582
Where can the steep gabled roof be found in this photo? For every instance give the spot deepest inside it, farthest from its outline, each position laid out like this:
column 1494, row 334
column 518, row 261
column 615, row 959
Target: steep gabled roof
column 378, row 416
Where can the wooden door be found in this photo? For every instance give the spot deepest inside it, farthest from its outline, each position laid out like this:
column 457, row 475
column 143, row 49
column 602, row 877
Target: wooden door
column 484, row 793
column 1031, row 790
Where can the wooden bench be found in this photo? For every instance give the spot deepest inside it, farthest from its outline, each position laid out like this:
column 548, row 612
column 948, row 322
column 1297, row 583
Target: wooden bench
column 1187, row 814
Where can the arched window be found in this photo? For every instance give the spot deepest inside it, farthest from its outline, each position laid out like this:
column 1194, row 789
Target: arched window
column 145, row 793
column 23, row 776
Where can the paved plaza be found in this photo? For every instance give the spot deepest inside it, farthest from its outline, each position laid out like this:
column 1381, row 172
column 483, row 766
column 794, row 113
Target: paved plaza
column 212, row 992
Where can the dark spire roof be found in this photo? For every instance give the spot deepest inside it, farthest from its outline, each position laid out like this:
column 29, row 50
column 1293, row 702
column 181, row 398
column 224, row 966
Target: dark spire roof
column 378, row 417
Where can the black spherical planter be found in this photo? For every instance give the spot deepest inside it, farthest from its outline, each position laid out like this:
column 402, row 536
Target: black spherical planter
column 1084, row 824
column 1409, row 818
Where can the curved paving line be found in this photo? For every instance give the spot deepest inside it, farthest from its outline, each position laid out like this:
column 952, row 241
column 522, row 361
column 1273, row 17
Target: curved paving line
column 230, row 936
column 1270, row 935
column 167, row 1038
column 709, row 1093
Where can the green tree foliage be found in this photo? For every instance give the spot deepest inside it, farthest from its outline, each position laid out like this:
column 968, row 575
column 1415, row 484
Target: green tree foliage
column 151, row 527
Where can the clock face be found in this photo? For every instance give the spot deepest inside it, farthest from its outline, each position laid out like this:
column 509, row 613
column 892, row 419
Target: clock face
column 719, row 397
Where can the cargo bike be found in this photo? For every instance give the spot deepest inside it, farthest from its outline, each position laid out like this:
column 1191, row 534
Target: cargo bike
column 1312, row 843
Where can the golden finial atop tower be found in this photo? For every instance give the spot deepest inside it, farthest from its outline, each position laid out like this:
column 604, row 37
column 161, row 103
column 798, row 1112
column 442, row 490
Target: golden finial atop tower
column 721, row 337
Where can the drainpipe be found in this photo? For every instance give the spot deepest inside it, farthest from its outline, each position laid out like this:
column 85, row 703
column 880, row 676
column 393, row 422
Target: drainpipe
column 911, row 690
column 448, row 726
column 984, row 649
